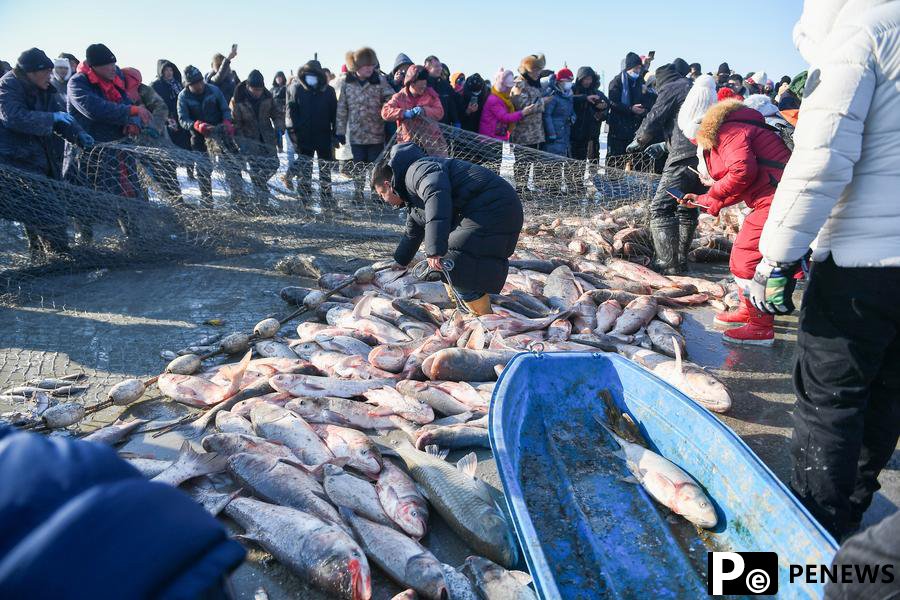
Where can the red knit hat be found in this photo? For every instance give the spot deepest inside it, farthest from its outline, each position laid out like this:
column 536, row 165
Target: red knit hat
column 725, row 93
column 564, row 73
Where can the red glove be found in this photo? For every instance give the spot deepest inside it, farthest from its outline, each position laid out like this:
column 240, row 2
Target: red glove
column 202, row 128
column 229, row 127
column 143, row 113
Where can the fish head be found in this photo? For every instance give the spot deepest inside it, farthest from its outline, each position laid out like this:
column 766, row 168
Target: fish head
column 306, row 350
column 350, row 568
column 366, row 457
column 694, row 505
column 424, row 573
column 263, row 412
column 413, row 516
column 707, row 390
column 497, row 528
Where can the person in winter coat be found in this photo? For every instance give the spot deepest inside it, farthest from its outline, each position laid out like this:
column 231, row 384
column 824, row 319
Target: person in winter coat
column 168, row 85
column 773, row 116
column 62, row 72
column 417, row 110
column 746, row 160
column 398, row 74
column 672, row 225
column 499, row 116
column 627, row 106
column 70, row 503
column 838, row 197
column 203, row 111
column 591, row 106
column 474, row 95
column 279, row 93
column 361, row 96
column 559, row 113
column 257, row 121
column 457, row 81
column 98, row 101
column 30, row 117
column 529, row 132
column 460, row 211
column 222, row 76
column 311, row 120
column 441, row 84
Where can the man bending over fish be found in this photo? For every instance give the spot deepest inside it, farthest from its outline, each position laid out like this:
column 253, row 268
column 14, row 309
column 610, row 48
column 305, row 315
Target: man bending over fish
column 461, row 211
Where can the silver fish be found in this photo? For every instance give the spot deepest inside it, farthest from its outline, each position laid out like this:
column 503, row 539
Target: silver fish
column 343, row 489
column 229, row 422
column 400, row 498
column 357, row 447
column 493, row 581
column 281, row 425
column 309, row 386
column 113, row 433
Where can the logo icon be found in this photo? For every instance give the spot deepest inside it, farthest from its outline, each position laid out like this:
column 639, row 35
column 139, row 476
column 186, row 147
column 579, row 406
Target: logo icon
column 742, row 573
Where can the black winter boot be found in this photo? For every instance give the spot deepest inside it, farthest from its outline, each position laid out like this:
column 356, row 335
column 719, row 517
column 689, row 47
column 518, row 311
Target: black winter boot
column 665, row 242
column 685, row 237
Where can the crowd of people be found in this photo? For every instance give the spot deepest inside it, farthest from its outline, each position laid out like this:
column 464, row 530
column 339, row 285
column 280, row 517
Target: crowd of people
column 719, row 139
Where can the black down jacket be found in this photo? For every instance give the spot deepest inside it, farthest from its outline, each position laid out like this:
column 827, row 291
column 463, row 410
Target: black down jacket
column 662, row 119
column 459, row 210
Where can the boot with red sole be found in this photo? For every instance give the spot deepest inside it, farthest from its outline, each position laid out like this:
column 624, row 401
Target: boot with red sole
column 759, row 330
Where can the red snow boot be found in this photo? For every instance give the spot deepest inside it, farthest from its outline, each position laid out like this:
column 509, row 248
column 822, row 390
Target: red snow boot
column 759, row 330
column 738, row 316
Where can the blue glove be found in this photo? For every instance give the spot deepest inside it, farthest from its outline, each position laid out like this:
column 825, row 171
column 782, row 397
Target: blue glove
column 772, row 288
column 457, row 124
column 85, row 140
column 63, row 117
column 417, row 111
column 409, row 114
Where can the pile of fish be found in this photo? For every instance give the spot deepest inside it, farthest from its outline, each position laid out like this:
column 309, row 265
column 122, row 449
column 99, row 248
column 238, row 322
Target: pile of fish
column 44, row 402
column 621, row 233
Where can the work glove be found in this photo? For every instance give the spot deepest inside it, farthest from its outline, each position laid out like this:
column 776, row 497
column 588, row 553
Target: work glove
column 772, row 288
column 202, row 128
column 63, row 117
column 341, row 138
column 634, row 146
column 228, row 126
column 85, row 141
column 408, row 114
column 654, row 151
column 142, row 113
column 417, row 111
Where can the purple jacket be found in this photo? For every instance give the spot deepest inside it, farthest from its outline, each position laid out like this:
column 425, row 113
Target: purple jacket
column 495, row 118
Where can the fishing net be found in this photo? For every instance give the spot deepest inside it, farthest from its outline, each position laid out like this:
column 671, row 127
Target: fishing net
column 144, row 246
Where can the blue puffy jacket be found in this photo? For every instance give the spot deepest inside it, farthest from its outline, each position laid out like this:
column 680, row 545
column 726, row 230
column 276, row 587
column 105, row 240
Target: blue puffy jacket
column 209, row 106
column 27, row 139
column 79, row 522
column 559, row 114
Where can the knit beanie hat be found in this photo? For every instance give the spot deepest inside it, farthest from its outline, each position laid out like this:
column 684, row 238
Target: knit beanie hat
column 724, row 69
column 762, row 103
column 564, row 73
column 726, row 92
column 98, row 55
column 33, row 60
column 192, row 75
column 699, row 99
column 255, row 79
column 681, row 66
column 632, row 60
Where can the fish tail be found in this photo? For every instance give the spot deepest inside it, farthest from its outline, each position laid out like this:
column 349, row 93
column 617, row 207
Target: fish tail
column 619, row 452
column 198, row 464
column 236, row 379
column 679, row 366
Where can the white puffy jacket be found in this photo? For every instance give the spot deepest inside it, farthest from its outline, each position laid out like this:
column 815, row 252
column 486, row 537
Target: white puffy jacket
column 842, row 184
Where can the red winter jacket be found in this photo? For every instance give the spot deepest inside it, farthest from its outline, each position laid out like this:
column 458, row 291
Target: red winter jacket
column 746, row 160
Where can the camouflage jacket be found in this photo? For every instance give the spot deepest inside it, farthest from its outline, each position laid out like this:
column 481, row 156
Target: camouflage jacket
column 530, row 130
column 359, row 108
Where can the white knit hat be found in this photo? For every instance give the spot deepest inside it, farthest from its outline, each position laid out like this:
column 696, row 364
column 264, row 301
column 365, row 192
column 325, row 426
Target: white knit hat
column 700, row 98
column 762, row 103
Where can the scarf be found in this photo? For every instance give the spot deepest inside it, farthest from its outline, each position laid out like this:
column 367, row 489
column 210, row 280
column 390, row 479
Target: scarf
column 174, row 85
column 112, row 90
column 626, row 89
column 507, row 102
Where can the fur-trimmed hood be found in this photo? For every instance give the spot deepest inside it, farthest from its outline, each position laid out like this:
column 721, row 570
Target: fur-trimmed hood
column 718, row 115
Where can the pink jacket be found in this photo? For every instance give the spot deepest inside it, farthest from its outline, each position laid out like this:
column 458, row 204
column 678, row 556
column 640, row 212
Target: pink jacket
column 424, row 129
column 495, row 119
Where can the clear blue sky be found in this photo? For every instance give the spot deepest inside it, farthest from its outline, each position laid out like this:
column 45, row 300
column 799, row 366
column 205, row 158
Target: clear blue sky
column 467, row 35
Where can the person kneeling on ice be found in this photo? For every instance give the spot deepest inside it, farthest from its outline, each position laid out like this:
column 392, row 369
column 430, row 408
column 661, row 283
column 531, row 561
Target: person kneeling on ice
column 462, row 212
column 745, row 159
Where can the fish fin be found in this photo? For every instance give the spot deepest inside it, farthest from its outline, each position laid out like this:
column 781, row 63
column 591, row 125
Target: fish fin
column 620, row 452
column 522, row 577
column 468, row 464
column 679, row 366
column 234, row 385
column 381, row 411
column 248, row 536
column 436, row 452
column 629, row 479
column 363, row 308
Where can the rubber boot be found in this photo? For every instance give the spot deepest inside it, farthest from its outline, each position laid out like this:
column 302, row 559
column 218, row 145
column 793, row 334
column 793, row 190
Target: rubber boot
column 665, row 242
column 759, row 330
column 738, row 316
column 685, row 237
column 480, row 306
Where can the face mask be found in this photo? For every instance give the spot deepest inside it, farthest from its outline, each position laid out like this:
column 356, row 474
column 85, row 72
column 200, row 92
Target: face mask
column 311, row 80
column 633, row 75
column 567, row 86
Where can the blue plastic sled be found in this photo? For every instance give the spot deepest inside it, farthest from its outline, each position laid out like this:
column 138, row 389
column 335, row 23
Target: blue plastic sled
column 586, row 530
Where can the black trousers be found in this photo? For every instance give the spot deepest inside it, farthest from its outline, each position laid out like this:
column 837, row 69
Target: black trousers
column 847, row 379
column 586, row 149
column 664, row 209
column 363, row 153
column 303, row 168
